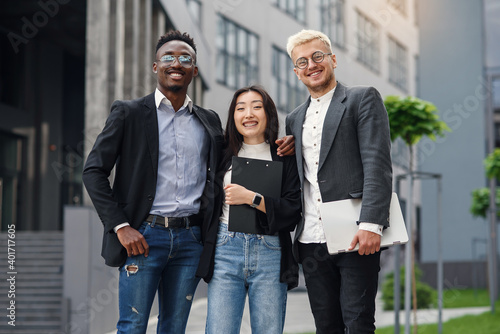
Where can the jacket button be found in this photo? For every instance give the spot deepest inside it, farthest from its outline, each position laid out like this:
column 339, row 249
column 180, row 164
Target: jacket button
column 150, row 198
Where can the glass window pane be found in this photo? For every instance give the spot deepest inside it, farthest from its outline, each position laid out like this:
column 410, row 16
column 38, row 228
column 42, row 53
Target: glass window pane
column 231, row 72
column 220, row 67
column 221, row 33
column 230, row 38
column 253, row 55
column 242, row 43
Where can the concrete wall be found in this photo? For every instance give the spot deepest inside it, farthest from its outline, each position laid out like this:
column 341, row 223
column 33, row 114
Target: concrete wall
column 451, row 68
column 91, row 286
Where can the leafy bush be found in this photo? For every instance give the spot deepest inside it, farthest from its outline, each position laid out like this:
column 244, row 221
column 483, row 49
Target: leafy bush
column 481, row 202
column 426, row 295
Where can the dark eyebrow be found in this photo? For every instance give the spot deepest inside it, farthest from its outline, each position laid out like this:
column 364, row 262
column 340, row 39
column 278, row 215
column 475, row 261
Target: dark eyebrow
column 171, row 53
column 250, row 102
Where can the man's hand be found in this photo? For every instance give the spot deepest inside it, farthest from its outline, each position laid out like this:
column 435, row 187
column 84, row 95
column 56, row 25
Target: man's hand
column 369, row 242
column 133, row 241
column 286, row 145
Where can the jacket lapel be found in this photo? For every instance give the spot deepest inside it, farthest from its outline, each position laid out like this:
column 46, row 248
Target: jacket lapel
column 206, row 124
column 332, row 122
column 151, row 127
column 203, row 118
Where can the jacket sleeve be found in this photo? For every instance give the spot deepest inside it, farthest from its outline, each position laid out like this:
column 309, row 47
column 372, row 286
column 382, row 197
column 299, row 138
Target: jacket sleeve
column 375, row 150
column 283, row 214
column 100, row 162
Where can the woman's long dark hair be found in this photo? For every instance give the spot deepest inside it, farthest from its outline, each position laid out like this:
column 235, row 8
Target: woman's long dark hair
column 233, row 139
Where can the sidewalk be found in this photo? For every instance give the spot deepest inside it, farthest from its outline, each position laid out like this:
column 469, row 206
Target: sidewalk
column 300, row 320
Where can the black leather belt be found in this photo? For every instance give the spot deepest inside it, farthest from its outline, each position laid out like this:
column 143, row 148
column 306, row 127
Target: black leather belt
column 175, row 222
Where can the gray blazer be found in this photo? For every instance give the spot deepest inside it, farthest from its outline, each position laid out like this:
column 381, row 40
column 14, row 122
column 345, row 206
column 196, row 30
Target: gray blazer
column 355, row 154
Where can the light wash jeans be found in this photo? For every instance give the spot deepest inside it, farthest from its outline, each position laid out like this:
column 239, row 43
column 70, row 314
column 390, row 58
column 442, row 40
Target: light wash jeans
column 169, row 269
column 246, row 263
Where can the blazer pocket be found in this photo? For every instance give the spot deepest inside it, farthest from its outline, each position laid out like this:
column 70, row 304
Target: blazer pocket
column 356, row 194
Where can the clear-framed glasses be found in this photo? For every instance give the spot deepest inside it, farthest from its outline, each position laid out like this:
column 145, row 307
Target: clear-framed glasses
column 317, row 57
column 184, row 60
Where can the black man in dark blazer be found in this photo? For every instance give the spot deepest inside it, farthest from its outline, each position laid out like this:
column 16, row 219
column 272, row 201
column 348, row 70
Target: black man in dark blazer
column 165, row 150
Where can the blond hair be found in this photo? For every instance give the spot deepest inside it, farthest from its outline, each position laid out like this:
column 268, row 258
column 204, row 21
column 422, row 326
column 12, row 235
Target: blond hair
column 305, row 36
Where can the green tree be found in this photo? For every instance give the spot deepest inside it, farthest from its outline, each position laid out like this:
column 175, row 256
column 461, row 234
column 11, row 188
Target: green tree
column 492, row 165
column 410, row 119
column 481, row 202
column 481, row 196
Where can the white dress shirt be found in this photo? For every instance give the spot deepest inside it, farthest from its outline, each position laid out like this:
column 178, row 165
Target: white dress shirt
column 182, row 160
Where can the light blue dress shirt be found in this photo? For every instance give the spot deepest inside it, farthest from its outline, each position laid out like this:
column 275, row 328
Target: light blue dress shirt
column 182, row 160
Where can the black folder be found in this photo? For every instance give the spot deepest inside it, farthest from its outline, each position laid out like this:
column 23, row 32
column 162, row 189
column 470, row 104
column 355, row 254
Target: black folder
column 261, row 176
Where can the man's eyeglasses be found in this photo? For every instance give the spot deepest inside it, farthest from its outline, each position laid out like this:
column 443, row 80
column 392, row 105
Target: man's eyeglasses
column 184, row 60
column 317, row 57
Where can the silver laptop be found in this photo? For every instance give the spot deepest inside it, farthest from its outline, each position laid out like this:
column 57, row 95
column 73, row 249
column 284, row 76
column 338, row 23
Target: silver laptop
column 339, row 223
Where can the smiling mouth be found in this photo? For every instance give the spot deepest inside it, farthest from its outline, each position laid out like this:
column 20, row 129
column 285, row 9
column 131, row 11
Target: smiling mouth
column 175, row 74
column 315, row 74
column 249, row 124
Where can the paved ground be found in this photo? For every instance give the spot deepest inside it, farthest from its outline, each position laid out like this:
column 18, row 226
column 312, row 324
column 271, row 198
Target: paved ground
column 299, row 318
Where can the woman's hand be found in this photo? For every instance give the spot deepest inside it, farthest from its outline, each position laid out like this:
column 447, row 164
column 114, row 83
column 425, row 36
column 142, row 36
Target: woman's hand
column 236, row 194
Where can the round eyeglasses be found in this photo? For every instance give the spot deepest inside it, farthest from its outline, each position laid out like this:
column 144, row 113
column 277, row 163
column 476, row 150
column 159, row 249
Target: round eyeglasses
column 184, row 60
column 317, row 57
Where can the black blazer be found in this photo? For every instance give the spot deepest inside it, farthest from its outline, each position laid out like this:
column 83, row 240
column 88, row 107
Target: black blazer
column 282, row 216
column 130, row 140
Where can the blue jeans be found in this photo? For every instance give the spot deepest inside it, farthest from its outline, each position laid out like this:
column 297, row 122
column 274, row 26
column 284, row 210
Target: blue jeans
column 341, row 289
column 169, row 269
column 246, row 263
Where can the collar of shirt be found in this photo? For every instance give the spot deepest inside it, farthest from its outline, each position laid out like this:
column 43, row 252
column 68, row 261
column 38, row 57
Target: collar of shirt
column 322, row 99
column 159, row 98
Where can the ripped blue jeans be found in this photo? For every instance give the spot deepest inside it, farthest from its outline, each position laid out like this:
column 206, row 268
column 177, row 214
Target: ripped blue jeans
column 169, row 269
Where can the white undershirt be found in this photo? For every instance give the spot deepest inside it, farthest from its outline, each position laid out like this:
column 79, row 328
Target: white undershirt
column 260, row 151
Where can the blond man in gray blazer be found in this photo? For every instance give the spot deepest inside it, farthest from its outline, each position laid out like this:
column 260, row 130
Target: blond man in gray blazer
column 343, row 148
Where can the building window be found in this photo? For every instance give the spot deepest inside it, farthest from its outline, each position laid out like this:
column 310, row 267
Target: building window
column 194, row 7
column 237, row 55
column 294, row 8
column 367, row 42
column 12, row 75
column 332, row 20
column 400, row 5
column 398, row 64
column 287, row 91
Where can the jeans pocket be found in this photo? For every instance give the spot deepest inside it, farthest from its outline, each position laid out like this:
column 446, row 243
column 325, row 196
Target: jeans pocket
column 222, row 239
column 195, row 232
column 271, row 242
column 144, row 228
